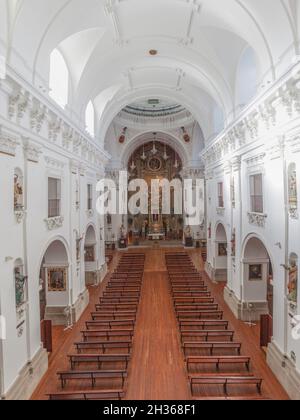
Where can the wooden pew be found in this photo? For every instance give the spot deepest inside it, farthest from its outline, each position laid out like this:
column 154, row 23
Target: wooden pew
column 116, row 294
column 208, row 335
column 199, row 315
column 196, row 307
column 204, row 324
column 225, row 382
column 88, row 395
column 218, row 361
column 212, row 346
column 185, row 289
column 91, row 376
column 110, row 324
column 103, row 345
column 115, row 316
column 119, row 300
column 108, row 334
column 192, row 301
column 99, row 359
column 191, row 294
column 116, row 306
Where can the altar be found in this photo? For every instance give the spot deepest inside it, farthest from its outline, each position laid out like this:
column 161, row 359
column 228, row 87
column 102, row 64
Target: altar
column 156, row 236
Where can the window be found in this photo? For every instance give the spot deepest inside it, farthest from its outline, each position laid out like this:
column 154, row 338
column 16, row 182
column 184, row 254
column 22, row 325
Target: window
column 220, row 195
column 90, row 119
column 90, row 197
column 256, row 193
column 58, row 79
column 54, row 197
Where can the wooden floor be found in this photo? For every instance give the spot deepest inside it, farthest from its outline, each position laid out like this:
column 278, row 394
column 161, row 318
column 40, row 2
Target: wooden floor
column 157, row 370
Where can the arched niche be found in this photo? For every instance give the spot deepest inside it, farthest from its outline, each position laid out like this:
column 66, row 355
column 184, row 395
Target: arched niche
column 54, row 283
column 257, row 278
column 90, row 256
column 221, row 253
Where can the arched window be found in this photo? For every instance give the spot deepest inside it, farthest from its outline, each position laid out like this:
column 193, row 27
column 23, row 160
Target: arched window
column 292, row 190
column 246, row 80
column 59, row 79
column 90, row 119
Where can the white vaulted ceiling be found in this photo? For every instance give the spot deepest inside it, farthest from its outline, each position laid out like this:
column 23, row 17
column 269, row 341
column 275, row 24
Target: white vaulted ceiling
column 201, row 45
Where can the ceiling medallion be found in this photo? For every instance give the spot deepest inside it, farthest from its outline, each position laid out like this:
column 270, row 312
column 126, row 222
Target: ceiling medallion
column 153, row 52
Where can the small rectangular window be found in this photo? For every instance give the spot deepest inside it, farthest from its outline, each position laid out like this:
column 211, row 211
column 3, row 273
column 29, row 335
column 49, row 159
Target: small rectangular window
column 90, row 197
column 220, row 195
column 54, row 197
column 256, row 193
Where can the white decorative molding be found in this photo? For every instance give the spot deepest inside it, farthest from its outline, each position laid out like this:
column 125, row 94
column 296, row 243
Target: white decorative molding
column 20, row 214
column 257, row 219
column 294, row 213
column 54, row 222
column 256, row 160
column 90, row 213
column 8, row 143
column 54, row 163
column 220, row 211
column 32, row 151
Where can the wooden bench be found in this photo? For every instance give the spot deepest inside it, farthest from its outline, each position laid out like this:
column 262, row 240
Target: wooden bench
column 181, row 315
column 211, row 347
column 88, row 395
column 108, row 334
column 191, row 289
column 116, row 294
column 208, row 335
column 190, row 294
column 99, row 359
column 192, row 301
column 119, row 300
column 225, row 382
column 103, row 345
column 110, row 324
column 116, row 306
column 92, row 376
column 123, row 288
column 217, row 361
column 114, row 316
column 204, row 324
column 196, row 307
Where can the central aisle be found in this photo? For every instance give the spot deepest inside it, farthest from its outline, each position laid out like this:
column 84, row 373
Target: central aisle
column 157, row 368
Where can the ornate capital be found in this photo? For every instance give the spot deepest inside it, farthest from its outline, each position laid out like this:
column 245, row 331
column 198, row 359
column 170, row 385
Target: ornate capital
column 8, row 143
column 32, row 151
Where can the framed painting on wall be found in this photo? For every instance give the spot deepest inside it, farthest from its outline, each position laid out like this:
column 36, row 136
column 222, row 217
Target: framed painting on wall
column 89, row 254
column 57, row 279
column 222, row 250
column 255, row 272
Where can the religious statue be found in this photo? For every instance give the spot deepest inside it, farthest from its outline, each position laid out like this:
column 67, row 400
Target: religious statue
column 20, row 281
column 187, row 232
column 123, row 232
column 18, row 193
column 293, row 284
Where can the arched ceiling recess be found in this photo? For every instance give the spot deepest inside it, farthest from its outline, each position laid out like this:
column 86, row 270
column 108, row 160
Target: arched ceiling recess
column 164, row 138
column 106, row 43
column 199, row 105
